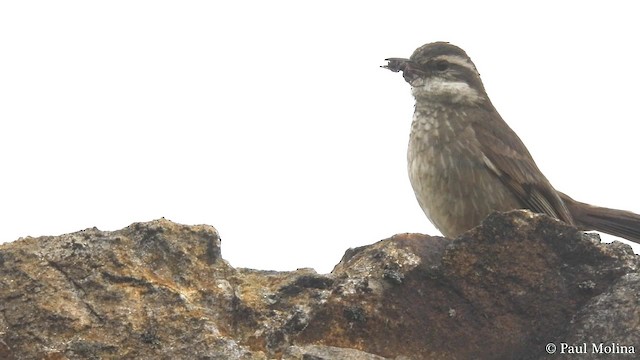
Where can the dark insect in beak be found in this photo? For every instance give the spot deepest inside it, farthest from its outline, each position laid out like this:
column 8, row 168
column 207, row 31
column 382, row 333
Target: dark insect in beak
column 410, row 70
column 396, row 64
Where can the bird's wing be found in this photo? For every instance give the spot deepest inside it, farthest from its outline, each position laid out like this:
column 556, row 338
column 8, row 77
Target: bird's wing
column 509, row 159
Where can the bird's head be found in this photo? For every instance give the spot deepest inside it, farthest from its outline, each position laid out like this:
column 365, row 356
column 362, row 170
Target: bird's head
column 441, row 73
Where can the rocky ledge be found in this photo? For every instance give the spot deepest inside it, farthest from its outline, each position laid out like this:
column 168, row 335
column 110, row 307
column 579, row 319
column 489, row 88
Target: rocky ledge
column 160, row 290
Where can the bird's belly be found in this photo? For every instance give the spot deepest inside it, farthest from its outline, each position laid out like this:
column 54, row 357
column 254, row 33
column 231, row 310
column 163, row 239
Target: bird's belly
column 454, row 188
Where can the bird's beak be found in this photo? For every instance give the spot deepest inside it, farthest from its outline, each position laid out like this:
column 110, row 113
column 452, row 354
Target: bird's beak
column 410, row 70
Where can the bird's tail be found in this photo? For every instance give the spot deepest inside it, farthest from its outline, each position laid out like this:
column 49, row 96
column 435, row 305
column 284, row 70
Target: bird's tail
column 621, row 223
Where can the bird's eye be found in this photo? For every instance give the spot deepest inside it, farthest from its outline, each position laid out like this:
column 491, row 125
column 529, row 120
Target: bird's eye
column 442, row 65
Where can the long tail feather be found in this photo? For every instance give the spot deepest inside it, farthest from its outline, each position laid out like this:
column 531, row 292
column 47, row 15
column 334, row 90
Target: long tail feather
column 621, row 223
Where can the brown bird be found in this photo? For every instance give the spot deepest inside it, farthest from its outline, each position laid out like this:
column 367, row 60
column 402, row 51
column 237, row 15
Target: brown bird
column 464, row 161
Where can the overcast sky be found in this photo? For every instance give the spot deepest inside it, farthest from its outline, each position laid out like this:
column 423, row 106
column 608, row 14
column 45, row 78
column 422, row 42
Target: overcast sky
column 273, row 122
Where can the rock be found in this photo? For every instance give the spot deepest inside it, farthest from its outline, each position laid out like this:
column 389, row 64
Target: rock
column 611, row 319
column 161, row 290
column 322, row 352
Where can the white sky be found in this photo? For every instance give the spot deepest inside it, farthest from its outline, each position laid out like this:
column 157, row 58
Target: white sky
column 273, row 122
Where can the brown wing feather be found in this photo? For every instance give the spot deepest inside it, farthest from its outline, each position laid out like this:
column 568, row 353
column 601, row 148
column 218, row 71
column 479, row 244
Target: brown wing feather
column 514, row 165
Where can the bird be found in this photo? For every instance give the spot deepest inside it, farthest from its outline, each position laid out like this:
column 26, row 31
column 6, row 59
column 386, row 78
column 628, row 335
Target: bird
column 465, row 162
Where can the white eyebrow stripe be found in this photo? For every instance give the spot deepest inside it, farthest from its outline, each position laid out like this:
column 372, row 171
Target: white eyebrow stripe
column 458, row 60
